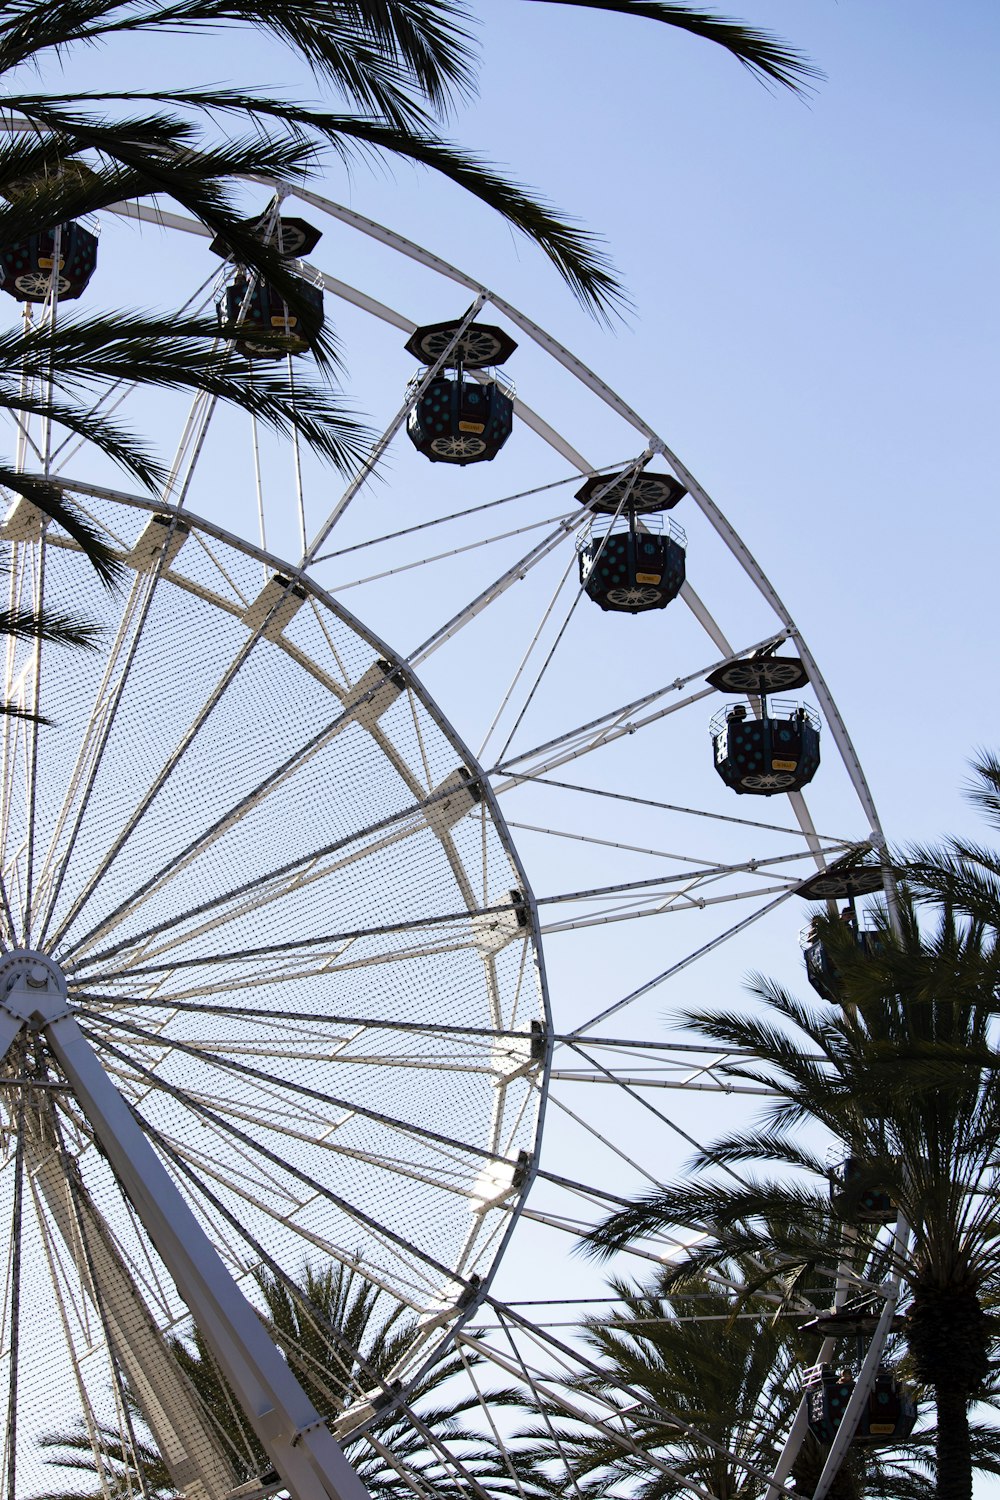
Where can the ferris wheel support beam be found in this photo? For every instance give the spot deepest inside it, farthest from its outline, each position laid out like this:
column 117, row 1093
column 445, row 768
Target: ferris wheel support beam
column 189, row 1446
column 291, row 1430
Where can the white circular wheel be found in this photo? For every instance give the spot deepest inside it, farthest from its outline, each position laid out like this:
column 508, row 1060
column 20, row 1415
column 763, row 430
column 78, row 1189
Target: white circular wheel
column 477, row 347
column 297, row 832
column 635, row 597
column 242, row 803
column 458, row 447
column 38, row 285
column 769, row 781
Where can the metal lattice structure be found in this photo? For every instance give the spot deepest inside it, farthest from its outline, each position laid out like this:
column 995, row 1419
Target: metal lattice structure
column 296, row 913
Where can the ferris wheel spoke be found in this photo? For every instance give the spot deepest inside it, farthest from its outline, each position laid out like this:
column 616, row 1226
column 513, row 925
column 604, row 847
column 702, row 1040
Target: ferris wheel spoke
column 274, row 884
column 616, row 1151
column 256, row 1014
column 382, row 443
column 228, row 1065
column 688, row 895
column 357, row 1364
column 401, row 822
column 710, row 1085
column 569, row 523
column 630, row 474
column 339, row 940
column 620, row 1412
column 456, row 515
column 286, row 1209
column 832, row 847
column 178, row 481
column 33, row 706
column 173, row 759
column 296, row 966
column 681, row 903
column 264, row 979
column 616, row 722
column 523, row 663
column 413, row 1255
column 684, row 963
column 704, row 813
column 467, row 1062
column 707, row 872
column 201, row 1168
column 13, row 777
column 423, row 562
column 546, row 1387
column 97, row 734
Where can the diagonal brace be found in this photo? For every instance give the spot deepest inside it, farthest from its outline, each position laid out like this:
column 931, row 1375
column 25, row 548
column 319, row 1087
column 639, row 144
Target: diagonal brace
column 294, row 1434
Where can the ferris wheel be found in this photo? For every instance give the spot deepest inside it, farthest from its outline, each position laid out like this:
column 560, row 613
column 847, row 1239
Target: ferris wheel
column 346, row 885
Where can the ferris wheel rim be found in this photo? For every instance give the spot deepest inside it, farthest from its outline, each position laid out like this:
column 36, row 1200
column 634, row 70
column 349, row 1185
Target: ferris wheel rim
column 657, row 446
column 302, row 573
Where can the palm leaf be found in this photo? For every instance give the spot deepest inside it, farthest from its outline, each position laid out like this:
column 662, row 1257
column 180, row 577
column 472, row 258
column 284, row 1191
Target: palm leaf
column 763, row 54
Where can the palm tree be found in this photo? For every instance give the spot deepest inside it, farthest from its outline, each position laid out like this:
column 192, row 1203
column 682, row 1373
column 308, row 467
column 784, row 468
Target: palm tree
column 341, row 1338
column 903, row 1077
column 961, row 873
column 725, row 1362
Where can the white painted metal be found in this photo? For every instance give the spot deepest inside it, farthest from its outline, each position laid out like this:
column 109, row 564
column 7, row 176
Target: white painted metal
column 367, row 703
column 298, row 1440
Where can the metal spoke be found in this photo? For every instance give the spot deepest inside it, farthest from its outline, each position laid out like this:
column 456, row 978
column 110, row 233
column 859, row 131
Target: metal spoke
column 229, row 1065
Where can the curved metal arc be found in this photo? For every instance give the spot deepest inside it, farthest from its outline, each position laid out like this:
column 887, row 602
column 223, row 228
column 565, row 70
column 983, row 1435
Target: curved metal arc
column 603, row 391
column 599, row 388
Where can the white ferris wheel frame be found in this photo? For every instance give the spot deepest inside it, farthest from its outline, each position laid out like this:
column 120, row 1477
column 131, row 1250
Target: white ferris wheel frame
column 303, row 1450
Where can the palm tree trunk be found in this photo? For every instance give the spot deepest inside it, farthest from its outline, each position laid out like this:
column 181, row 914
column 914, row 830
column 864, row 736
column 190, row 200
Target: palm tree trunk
column 954, row 1457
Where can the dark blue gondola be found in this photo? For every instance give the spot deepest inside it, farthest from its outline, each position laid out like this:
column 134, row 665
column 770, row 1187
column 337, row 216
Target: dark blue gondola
column 855, row 1197
column 262, row 324
column 631, row 568
column 631, row 560
column 458, row 418
column 29, row 266
column 777, row 752
column 461, row 420
column 888, row 1416
column 821, row 968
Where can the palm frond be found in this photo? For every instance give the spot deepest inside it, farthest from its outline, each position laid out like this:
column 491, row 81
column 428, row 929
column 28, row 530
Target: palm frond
column 766, row 56
column 52, row 625
column 384, row 57
column 46, row 496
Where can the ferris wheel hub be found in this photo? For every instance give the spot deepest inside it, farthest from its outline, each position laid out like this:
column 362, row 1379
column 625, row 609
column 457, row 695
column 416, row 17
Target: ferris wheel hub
column 28, row 973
